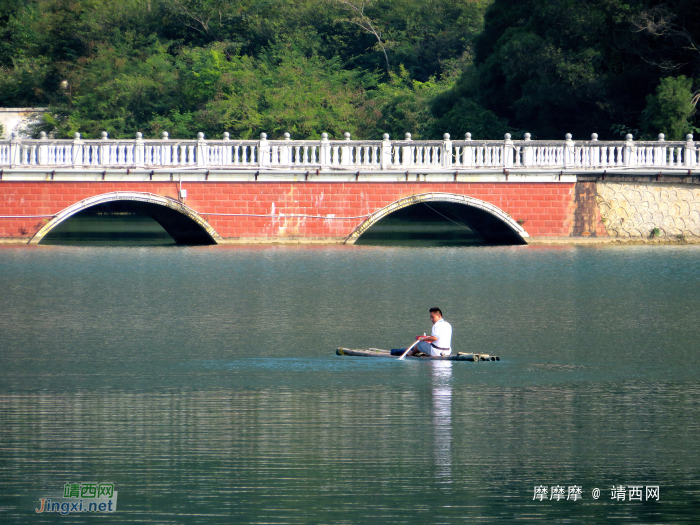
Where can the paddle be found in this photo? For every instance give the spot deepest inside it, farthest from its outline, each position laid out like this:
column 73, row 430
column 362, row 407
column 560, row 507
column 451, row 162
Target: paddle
column 407, row 350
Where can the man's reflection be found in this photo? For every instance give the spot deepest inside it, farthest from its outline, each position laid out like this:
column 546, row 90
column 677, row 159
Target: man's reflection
column 442, row 418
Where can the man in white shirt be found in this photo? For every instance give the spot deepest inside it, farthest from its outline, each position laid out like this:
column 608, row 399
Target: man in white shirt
column 440, row 341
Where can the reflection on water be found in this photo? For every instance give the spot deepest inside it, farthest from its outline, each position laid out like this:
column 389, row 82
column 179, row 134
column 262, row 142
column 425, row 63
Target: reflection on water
column 109, row 225
column 203, row 383
column 442, row 417
column 421, row 225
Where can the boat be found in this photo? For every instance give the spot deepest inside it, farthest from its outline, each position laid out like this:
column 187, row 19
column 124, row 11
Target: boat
column 378, row 352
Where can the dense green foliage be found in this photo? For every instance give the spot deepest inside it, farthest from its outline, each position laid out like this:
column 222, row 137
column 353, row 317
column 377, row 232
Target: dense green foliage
column 365, row 66
column 582, row 66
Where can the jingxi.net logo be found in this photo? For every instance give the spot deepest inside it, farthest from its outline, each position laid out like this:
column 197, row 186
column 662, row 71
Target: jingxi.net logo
column 81, row 497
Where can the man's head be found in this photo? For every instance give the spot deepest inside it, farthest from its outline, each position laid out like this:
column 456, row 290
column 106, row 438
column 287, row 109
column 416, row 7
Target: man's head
column 435, row 315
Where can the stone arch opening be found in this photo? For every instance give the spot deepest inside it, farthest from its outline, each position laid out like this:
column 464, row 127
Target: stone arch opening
column 472, row 221
column 183, row 224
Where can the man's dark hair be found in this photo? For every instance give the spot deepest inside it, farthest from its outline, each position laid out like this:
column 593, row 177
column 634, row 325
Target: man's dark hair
column 435, row 309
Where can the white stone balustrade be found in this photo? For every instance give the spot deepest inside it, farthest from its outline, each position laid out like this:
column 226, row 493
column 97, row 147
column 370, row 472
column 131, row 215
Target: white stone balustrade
column 346, row 154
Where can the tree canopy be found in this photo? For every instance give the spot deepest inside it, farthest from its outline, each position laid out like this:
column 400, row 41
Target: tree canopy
column 365, row 66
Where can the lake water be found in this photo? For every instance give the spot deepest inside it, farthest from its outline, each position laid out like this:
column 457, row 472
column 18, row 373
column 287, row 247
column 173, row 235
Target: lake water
column 202, row 382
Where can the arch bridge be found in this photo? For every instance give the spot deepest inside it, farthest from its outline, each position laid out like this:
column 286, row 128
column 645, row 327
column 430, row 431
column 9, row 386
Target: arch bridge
column 225, row 191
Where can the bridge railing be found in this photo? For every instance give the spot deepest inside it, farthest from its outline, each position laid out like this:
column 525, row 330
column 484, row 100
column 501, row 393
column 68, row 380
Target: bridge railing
column 348, row 154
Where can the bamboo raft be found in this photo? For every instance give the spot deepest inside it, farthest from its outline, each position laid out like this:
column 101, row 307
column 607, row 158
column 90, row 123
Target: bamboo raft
column 378, row 352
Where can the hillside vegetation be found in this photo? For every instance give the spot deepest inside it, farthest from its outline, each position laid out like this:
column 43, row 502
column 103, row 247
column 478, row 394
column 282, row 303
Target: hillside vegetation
column 364, row 66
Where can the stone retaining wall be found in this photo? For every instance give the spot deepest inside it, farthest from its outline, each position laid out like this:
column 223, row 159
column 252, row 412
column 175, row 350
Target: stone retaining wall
column 630, row 210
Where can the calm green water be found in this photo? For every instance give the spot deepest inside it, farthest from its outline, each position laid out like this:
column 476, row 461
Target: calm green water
column 203, row 383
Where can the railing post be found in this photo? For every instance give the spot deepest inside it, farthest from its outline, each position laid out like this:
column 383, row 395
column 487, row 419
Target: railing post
column 165, row 151
column 660, row 156
column 202, row 154
column 629, row 150
column 446, row 160
column 15, row 150
column 324, row 151
column 345, row 151
column 526, row 157
column 104, row 149
column 568, row 151
column 467, row 152
column 227, row 150
column 385, row 156
column 689, row 156
column 77, row 150
column 507, row 151
column 42, row 154
column 263, row 151
column 139, row 151
column 285, row 151
column 406, row 154
column 593, row 153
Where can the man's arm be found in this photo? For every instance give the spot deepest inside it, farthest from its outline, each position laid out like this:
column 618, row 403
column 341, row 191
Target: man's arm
column 426, row 338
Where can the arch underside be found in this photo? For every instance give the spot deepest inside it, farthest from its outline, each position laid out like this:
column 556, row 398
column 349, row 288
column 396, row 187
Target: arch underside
column 182, row 223
column 489, row 222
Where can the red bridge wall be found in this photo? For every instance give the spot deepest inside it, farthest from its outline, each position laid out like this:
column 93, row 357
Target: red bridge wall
column 546, row 208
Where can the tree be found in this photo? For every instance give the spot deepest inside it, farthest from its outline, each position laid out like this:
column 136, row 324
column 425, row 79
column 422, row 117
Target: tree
column 670, row 36
column 671, row 108
column 360, row 19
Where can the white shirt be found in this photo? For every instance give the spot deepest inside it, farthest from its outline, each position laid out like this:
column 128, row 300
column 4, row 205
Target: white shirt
column 443, row 331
